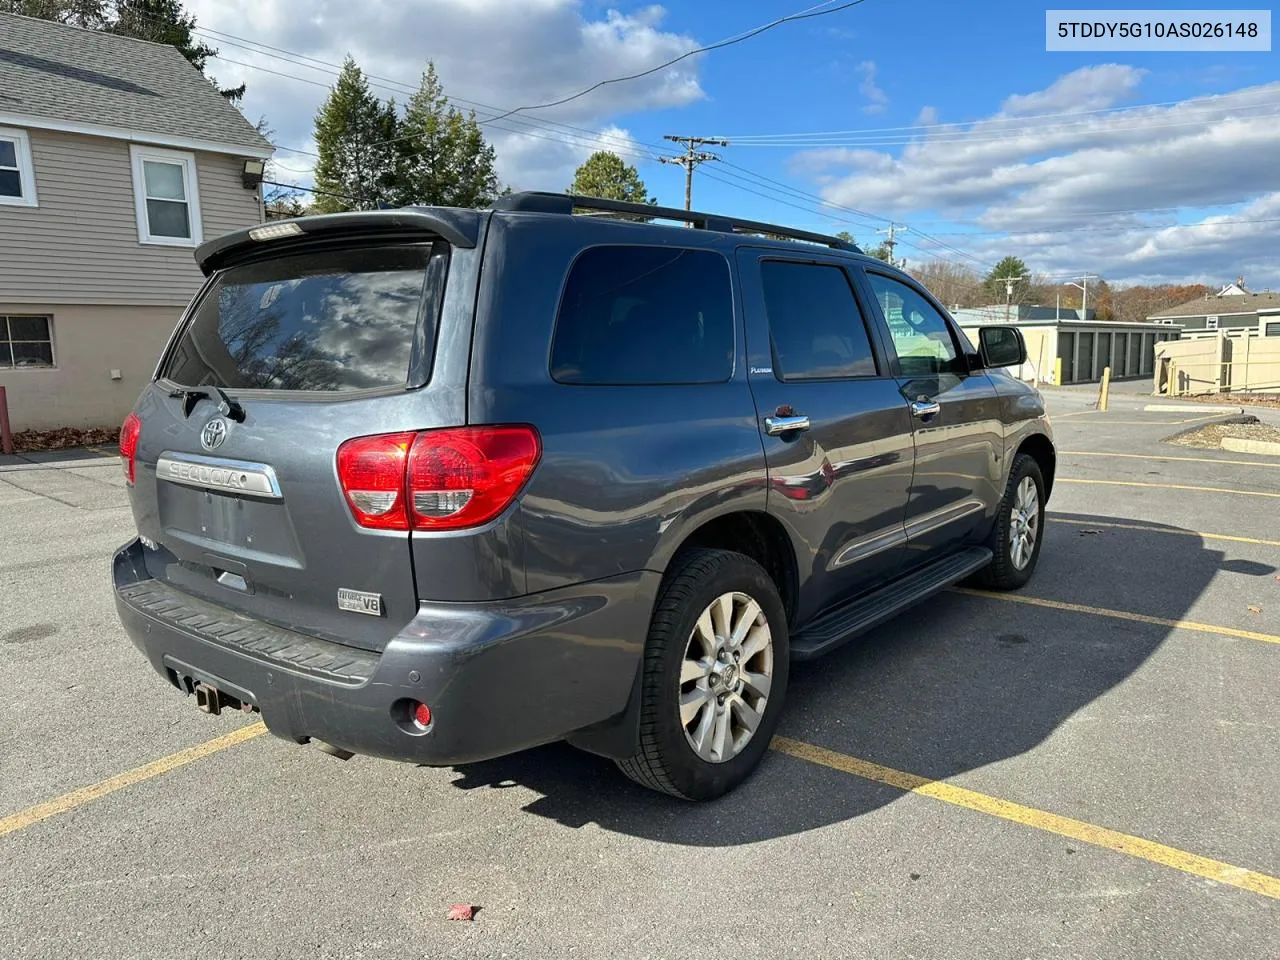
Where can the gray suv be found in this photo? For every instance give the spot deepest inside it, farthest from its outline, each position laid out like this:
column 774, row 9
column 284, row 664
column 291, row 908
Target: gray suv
column 438, row 485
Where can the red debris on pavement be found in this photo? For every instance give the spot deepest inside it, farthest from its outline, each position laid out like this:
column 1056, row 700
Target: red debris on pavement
column 462, row 911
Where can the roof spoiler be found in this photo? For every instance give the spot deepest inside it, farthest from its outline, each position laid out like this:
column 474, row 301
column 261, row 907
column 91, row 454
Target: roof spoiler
column 460, row 227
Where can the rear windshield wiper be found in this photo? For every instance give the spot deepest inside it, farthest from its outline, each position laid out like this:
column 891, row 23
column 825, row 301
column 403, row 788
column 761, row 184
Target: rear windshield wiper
column 192, row 395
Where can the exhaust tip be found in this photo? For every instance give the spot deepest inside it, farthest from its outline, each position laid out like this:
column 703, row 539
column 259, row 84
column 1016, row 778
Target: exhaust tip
column 208, row 699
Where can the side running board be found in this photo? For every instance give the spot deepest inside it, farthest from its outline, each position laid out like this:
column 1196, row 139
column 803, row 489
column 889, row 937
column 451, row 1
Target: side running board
column 846, row 621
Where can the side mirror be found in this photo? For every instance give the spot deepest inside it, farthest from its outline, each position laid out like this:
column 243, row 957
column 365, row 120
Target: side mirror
column 1001, row 347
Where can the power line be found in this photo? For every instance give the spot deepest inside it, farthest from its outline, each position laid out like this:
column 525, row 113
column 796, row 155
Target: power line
column 802, row 15
column 593, row 137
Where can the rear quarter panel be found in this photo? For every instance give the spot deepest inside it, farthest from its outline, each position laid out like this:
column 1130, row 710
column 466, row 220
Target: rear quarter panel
column 627, row 472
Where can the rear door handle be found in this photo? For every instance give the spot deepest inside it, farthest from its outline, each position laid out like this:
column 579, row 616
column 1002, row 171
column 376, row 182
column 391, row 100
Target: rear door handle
column 925, row 408
column 776, row 426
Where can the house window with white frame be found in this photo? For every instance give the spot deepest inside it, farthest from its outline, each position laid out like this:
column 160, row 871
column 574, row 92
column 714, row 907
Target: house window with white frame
column 166, row 197
column 26, row 341
column 17, row 180
column 1211, row 323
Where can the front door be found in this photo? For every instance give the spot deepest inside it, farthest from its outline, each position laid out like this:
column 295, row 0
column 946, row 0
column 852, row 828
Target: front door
column 835, row 427
column 959, row 439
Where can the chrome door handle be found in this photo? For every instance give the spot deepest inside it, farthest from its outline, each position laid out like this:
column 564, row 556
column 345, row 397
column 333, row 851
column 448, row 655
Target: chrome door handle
column 925, row 408
column 775, row 426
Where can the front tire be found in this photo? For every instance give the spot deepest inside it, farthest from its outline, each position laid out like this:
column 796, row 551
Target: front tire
column 715, row 676
column 1019, row 529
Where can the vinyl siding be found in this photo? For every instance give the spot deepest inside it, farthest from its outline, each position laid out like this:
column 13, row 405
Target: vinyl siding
column 80, row 245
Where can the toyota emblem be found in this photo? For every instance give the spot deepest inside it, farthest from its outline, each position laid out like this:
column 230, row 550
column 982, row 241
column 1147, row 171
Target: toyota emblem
column 214, row 432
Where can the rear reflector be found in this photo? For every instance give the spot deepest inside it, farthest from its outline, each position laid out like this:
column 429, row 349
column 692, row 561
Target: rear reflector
column 130, row 431
column 437, row 479
column 422, row 716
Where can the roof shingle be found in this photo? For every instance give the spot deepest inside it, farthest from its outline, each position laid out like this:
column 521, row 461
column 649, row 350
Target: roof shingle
column 58, row 72
column 1217, row 306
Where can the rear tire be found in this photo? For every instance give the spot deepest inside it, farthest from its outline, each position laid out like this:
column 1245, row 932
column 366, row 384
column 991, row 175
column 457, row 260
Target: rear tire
column 1019, row 529
column 715, row 676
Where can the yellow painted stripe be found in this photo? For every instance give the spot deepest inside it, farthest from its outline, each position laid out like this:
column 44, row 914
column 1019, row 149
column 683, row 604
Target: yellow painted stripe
column 1078, row 830
column 1176, row 531
column 1148, row 456
column 78, row 798
column 1064, row 416
column 1102, row 418
column 1120, row 615
column 1168, row 486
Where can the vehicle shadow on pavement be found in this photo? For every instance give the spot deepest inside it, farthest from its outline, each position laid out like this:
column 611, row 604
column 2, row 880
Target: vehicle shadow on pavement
column 953, row 685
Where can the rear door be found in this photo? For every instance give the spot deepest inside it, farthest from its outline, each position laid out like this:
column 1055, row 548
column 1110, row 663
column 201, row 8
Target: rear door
column 836, row 431
column 313, row 345
column 955, row 414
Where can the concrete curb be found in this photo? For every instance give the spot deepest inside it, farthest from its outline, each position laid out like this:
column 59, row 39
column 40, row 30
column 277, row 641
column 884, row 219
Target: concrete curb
column 57, row 464
column 1266, row 448
column 1184, row 407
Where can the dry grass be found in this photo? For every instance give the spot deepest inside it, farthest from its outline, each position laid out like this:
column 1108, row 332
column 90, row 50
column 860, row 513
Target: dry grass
column 1211, row 436
column 28, row 441
column 1238, row 399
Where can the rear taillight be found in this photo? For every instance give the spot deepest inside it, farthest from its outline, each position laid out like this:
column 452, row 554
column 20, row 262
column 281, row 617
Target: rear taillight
column 371, row 471
column 436, row 479
column 129, row 433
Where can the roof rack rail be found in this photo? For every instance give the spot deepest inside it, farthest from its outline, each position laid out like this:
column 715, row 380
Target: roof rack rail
column 564, row 203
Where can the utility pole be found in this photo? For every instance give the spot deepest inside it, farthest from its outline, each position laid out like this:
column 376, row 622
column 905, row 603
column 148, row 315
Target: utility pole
column 1008, row 293
column 691, row 158
column 891, row 242
column 1083, row 287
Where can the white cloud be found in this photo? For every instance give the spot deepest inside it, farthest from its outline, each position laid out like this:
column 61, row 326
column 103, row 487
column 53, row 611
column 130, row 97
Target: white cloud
column 876, row 98
column 1073, row 189
column 1090, row 88
column 490, row 52
column 927, row 117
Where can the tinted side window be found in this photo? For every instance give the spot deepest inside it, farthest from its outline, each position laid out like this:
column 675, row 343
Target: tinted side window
column 815, row 326
column 645, row 315
column 921, row 336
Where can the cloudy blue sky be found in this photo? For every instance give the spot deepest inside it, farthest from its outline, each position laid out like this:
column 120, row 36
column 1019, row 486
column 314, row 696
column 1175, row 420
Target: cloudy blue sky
column 949, row 117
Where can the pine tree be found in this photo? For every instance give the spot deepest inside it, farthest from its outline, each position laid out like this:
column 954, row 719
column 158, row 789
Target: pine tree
column 91, row 14
column 444, row 158
column 355, row 137
column 1009, row 267
column 606, row 175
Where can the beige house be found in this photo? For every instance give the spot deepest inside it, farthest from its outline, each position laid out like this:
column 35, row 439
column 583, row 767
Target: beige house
column 117, row 158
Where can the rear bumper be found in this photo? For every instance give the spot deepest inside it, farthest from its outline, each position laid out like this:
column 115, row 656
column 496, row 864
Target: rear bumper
column 498, row 677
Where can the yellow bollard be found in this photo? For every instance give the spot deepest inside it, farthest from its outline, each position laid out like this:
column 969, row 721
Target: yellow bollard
column 1106, row 389
column 1057, row 371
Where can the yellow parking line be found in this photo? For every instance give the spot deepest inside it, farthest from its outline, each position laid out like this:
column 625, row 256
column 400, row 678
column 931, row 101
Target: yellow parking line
column 1120, row 615
column 1150, row 528
column 1148, row 456
column 1168, row 486
column 1102, row 418
column 96, row 791
column 1078, row 830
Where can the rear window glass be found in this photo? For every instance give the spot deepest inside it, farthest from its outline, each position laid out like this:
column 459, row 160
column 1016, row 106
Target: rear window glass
column 336, row 320
column 645, row 315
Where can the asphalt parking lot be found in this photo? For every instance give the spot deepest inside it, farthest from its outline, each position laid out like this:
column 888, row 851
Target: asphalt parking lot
column 1088, row 768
